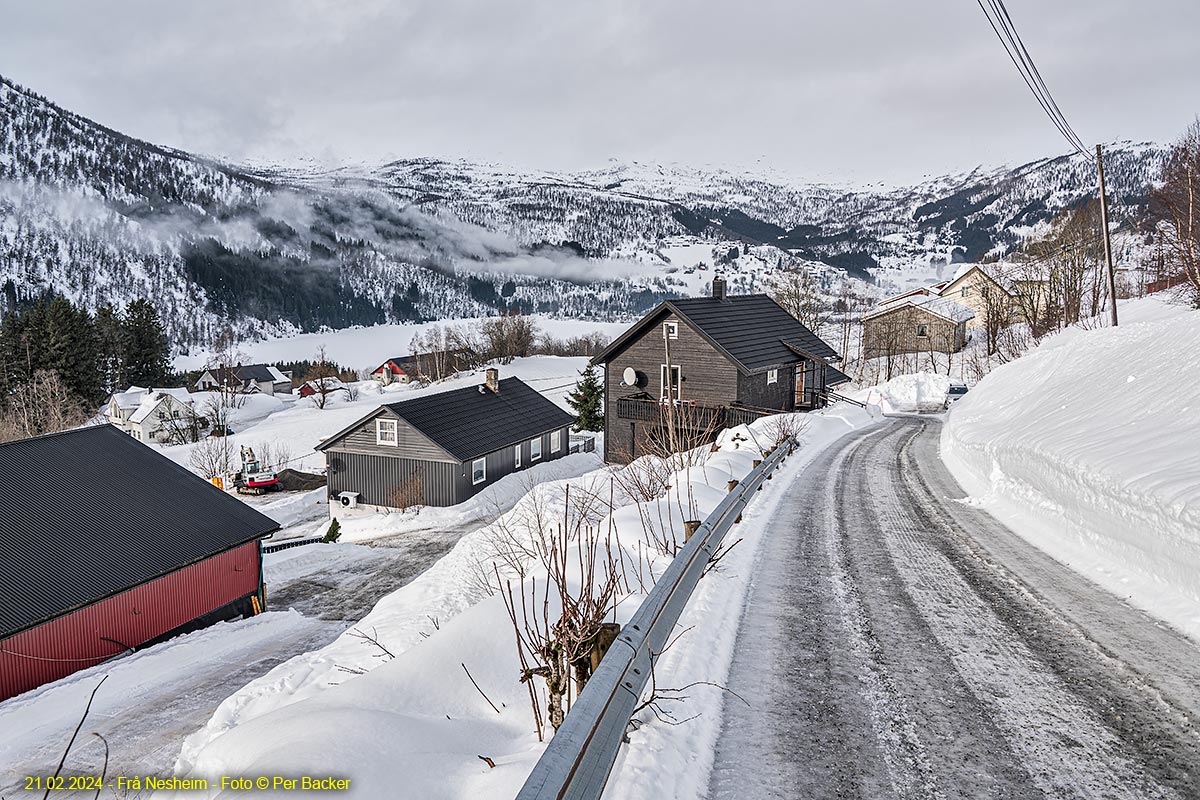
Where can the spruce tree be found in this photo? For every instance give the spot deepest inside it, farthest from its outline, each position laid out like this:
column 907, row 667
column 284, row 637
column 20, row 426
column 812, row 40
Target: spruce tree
column 110, row 347
column 334, row 533
column 146, row 351
column 587, row 400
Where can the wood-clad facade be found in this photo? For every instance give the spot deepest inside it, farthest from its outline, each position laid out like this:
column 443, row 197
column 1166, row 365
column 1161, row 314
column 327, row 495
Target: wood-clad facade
column 731, row 360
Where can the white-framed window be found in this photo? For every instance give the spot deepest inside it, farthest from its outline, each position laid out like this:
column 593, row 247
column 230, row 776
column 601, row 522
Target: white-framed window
column 535, row 449
column 966, row 290
column 385, row 432
column 555, row 441
column 478, row 471
column 670, row 390
column 670, row 330
column 517, row 456
column 922, row 331
column 772, row 376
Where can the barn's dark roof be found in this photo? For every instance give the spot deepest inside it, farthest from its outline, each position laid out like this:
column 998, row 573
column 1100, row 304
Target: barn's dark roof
column 88, row 513
column 468, row 423
column 752, row 329
column 247, row 372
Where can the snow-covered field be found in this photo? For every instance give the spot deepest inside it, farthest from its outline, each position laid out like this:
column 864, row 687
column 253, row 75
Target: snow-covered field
column 348, row 709
column 367, row 348
column 1089, row 446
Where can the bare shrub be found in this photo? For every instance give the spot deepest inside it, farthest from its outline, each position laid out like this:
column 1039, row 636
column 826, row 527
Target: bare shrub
column 585, row 587
column 41, row 405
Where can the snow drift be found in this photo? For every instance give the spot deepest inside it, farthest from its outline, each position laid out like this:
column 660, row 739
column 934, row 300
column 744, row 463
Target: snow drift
column 1089, row 446
column 922, row 391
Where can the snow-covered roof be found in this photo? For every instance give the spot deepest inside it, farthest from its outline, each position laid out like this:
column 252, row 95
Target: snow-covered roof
column 940, row 306
column 146, row 400
column 130, row 398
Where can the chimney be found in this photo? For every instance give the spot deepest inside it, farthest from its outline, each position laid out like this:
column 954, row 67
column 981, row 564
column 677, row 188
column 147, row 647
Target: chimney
column 718, row 285
column 493, row 380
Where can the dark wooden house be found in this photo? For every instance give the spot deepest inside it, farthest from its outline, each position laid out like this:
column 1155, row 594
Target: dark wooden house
column 441, row 449
column 108, row 545
column 713, row 362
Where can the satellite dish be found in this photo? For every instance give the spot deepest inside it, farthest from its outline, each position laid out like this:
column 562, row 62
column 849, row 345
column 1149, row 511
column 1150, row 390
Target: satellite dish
column 629, row 376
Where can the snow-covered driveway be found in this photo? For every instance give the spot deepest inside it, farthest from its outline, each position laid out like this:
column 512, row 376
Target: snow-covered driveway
column 898, row 643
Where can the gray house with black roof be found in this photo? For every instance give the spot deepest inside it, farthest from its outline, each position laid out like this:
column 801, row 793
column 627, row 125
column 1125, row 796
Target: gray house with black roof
column 712, row 363
column 441, row 449
column 107, row 545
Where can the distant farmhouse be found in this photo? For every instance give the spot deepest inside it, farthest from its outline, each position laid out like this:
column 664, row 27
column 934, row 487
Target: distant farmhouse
column 246, row 379
column 441, row 449
column 109, row 545
column 916, row 322
column 166, row 416
column 421, row 366
column 723, row 360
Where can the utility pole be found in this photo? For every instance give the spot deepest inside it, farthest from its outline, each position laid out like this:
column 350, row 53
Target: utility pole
column 1112, row 280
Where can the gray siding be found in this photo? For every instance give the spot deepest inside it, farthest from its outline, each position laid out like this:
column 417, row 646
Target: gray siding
column 753, row 390
column 706, row 376
column 410, row 442
column 378, row 474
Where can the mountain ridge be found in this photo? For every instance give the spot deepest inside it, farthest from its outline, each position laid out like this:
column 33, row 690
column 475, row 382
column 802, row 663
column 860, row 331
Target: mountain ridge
column 103, row 217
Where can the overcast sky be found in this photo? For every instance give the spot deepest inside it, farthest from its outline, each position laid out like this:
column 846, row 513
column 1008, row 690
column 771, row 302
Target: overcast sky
column 835, row 90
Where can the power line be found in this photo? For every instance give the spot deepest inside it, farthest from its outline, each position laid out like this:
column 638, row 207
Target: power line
column 1002, row 25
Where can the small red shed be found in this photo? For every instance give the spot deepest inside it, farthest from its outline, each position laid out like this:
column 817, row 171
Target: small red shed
column 107, row 545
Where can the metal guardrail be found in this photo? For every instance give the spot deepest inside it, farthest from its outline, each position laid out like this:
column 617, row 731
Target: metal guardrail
column 842, row 398
column 578, row 760
column 290, row 543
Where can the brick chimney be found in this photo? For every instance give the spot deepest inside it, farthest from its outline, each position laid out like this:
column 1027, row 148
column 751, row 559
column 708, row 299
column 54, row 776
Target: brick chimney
column 718, row 287
column 492, row 380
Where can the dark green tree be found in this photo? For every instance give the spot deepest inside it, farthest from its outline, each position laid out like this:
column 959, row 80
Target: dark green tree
column 110, row 349
column 147, row 357
column 587, row 401
column 67, row 346
column 334, row 532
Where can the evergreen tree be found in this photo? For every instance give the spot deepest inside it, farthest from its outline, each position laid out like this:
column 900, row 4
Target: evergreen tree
column 68, row 347
column 146, row 350
column 110, row 349
column 334, row 533
column 587, row 399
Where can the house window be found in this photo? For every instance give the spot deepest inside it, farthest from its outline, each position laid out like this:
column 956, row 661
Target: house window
column 385, row 432
column 517, row 456
column 478, row 471
column 670, row 330
column 772, row 376
column 535, row 449
column 555, row 441
column 966, row 290
column 672, row 390
column 922, row 330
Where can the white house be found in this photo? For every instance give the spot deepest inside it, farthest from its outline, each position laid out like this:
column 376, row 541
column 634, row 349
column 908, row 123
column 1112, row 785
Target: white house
column 154, row 415
column 247, row 379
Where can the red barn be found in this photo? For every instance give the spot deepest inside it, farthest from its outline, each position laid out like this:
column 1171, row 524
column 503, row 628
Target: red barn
column 105, row 545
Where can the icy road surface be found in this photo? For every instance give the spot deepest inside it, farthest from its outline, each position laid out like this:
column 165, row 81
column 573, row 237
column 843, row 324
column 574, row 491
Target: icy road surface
column 898, row 643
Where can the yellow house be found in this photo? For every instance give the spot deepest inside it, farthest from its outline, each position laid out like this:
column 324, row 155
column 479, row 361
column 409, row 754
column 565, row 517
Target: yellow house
column 973, row 288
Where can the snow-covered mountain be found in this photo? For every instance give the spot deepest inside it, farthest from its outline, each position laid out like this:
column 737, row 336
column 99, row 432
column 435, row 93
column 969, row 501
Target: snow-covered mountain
column 104, row 218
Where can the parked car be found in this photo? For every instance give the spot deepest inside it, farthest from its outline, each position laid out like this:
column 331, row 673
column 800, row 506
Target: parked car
column 955, row 393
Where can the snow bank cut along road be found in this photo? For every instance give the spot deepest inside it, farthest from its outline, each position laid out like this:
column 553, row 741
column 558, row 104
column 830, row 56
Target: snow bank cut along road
column 899, row 644
column 1089, row 446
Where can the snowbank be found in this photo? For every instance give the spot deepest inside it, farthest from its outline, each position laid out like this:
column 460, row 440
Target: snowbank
column 1089, row 446
column 921, row 391
column 350, row 710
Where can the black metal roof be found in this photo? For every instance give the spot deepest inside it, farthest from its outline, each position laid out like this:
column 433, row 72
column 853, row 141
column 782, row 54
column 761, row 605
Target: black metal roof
column 473, row 421
column 835, row 377
column 752, row 329
column 88, row 513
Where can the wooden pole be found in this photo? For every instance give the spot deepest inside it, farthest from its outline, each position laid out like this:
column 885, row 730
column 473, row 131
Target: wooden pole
column 1108, row 260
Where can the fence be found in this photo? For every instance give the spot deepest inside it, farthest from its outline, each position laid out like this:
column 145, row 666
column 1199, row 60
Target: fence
column 578, row 760
column 289, row 543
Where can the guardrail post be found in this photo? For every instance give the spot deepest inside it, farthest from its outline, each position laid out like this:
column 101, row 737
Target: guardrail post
column 732, row 485
column 689, row 528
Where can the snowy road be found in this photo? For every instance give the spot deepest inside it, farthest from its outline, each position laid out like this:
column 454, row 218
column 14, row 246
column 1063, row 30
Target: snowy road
column 900, row 644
